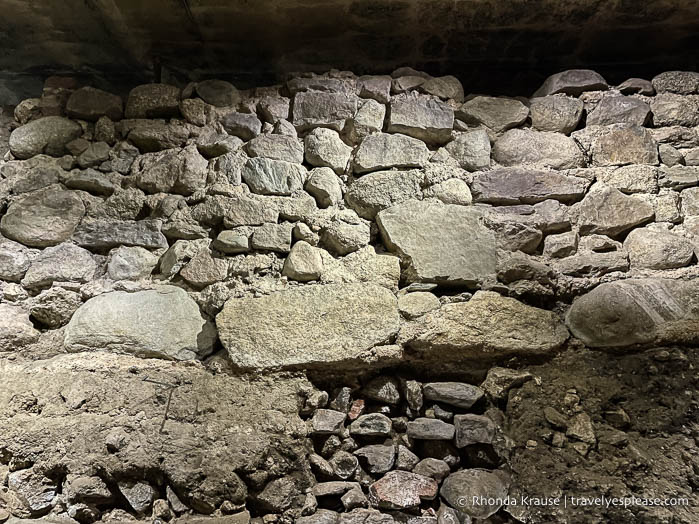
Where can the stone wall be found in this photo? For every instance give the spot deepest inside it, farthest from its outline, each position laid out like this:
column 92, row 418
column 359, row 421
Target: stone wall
column 176, row 266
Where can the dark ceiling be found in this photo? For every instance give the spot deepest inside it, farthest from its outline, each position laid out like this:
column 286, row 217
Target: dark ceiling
column 505, row 46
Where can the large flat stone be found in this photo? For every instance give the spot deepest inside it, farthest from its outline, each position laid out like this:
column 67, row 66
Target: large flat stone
column 526, row 186
column 385, row 151
column 618, row 145
column 489, row 326
column 637, row 312
column 47, row 135
column 161, row 323
column 537, row 148
column 308, row 327
column 608, row 211
column 445, row 244
column 422, row 117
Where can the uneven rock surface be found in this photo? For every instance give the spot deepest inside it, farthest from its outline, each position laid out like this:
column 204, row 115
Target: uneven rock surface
column 349, row 299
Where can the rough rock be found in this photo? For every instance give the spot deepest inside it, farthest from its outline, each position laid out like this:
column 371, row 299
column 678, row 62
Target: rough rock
column 453, row 393
column 304, row 263
column 483, row 328
column 159, row 323
column 675, row 110
column 42, row 218
column 15, row 259
column 471, row 149
column 526, row 186
column 473, row 429
column 572, row 82
column 430, row 429
column 376, row 87
column 377, row 459
column 89, row 103
column 333, row 325
column 499, row 381
column 369, row 119
column 608, row 211
column 537, row 148
column 273, row 177
column 130, row 263
column 496, row 113
column 36, row 490
column 243, row 125
column 62, row 263
column 444, row 244
column 630, row 179
column 48, row 135
column 318, row 109
column 558, row 114
column 452, row 191
column 618, row 145
column 619, row 110
column 414, row 305
column 139, row 495
column 658, row 249
column 324, row 185
column 54, row 307
column 276, row 147
column 382, row 189
column 328, row 422
column 153, row 101
column 445, row 87
column 681, row 82
column 345, row 234
column 421, row 117
column 402, row 490
column 325, row 148
column 16, row 330
column 638, row 86
column 177, row 171
column 108, row 234
column 372, row 425
column 637, row 312
column 384, row 151
column 461, row 488
column 204, row 269
column 218, row 93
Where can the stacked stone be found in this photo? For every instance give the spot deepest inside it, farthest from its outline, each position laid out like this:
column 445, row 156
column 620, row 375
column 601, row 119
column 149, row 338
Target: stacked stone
column 402, row 451
column 340, row 222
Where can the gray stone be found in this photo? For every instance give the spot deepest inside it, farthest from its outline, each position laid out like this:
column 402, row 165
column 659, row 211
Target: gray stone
column 637, row 312
column 218, row 93
column 318, row 109
column 377, row 459
column 445, row 87
column 678, row 177
column 372, row 425
column 243, row 125
column 234, row 211
column 328, row 422
column 537, row 148
column 158, row 323
column 558, row 114
column 681, row 82
column 618, row 145
column 572, row 82
column 37, row 491
column 430, row 429
column 273, row 177
column 89, row 103
column 92, row 489
column 92, row 181
column 433, row 468
column 675, row 110
column 273, row 237
column 333, row 325
column 354, row 498
column 233, row 241
column 422, row 117
column 63, row 263
column 461, row 488
column 344, row 464
column 365, row 516
column 473, row 429
column 304, row 263
column 345, row 235
column 324, row 185
column 561, row 245
column 496, row 113
column 42, row 218
column 107, row 234
column 276, row 147
column 203, row 270
column 325, row 148
column 608, row 211
column 16, row 330
column 445, row 244
column 414, row 305
column 471, row 149
column 130, row 263
column 618, row 109
column 402, row 490
column 481, row 329
column 593, row 264
column 152, row 136
column 452, row 191
column 171, row 171
column 212, row 144
column 139, row 495
column 690, row 201
column 651, row 248
column 153, row 101
column 630, row 179
column 14, row 260
column 453, row 393
column 48, row 135
column 381, row 190
column 406, row 459
column 526, row 186
column 384, row 151
column 369, row 119
column 322, row 516
column 274, row 109
column 638, row 86
column 383, row 389
column 499, row 381
column 54, row 307
column 376, row 87
column 231, row 165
